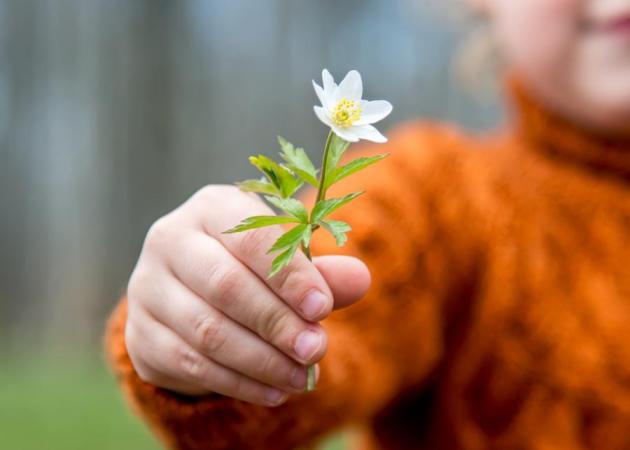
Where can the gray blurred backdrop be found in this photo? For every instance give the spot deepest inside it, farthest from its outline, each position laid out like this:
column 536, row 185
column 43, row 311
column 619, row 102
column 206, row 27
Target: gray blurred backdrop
column 113, row 112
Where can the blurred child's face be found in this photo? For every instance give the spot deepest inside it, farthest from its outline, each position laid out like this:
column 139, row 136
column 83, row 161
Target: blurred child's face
column 575, row 54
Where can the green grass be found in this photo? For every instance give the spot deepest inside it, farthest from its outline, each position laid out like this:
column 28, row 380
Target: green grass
column 70, row 406
column 74, row 406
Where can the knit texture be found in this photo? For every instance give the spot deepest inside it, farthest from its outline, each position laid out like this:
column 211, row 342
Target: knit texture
column 499, row 311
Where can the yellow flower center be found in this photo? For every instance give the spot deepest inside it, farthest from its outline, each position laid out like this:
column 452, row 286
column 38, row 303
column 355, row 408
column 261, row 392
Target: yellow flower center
column 346, row 113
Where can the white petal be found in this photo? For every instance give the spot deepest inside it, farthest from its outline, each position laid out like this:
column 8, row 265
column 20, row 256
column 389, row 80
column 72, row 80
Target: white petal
column 329, row 83
column 368, row 132
column 372, row 112
column 321, row 115
column 351, row 87
column 320, row 95
column 345, row 133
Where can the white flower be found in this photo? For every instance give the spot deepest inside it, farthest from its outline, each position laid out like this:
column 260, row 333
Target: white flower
column 345, row 112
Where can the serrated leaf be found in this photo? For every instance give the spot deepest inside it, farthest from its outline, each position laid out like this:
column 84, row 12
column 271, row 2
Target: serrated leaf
column 325, row 207
column 305, row 176
column 291, row 206
column 353, row 166
column 338, row 229
column 268, row 167
column 298, row 162
column 282, row 260
column 335, row 151
column 278, row 175
column 259, row 222
column 261, row 187
column 294, row 235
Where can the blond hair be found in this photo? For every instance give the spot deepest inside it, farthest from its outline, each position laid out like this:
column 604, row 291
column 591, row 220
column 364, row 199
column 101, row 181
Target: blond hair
column 477, row 63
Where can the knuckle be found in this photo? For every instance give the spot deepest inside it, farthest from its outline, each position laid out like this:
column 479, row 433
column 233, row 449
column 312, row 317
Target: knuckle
column 192, row 364
column 269, row 364
column 145, row 374
column 276, row 370
column 213, row 192
column 253, row 241
column 237, row 387
column 272, row 324
column 248, row 390
column 159, row 234
column 206, row 193
column 231, row 384
column 210, row 332
column 140, row 279
column 130, row 342
column 293, row 280
column 226, row 283
column 295, row 284
column 244, row 389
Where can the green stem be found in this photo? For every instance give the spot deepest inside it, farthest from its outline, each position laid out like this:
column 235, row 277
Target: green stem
column 321, row 193
column 307, row 251
column 310, row 371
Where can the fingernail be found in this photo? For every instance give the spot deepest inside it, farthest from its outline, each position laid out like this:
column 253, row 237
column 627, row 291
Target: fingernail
column 275, row 397
column 313, row 304
column 307, row 344
column 298, row 380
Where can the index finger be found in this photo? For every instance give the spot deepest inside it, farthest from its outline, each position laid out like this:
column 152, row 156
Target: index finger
column 300, row 284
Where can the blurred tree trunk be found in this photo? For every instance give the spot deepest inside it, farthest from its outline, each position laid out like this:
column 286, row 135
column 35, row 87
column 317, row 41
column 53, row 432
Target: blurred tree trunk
column 87, row 145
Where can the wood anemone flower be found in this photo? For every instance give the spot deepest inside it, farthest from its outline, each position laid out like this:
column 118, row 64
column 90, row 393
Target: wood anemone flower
column 345, row 112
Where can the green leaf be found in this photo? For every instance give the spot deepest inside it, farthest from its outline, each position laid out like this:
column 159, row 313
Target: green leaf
column 291, row 206
column 353, row 166
column 338, row 229
column 282, row 260
column 259, row 222
column 294, row 235
column 269, row 168
column 298, row 161
column 262, row 187
column 306, row 236
column 305, row 176
column 326, row 207
column 278, row 175
column 336, row 149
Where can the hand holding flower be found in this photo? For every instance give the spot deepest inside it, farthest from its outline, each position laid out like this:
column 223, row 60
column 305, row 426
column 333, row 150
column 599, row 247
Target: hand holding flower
column 350, row 119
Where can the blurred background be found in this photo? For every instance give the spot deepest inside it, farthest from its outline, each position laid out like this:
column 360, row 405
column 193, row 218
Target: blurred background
column 113, row 112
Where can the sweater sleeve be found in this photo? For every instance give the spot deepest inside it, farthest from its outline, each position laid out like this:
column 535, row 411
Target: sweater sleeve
column 383, row 347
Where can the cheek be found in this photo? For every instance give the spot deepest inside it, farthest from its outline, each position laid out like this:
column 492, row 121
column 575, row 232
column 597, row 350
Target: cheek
column 604, row 78
column 539, row 37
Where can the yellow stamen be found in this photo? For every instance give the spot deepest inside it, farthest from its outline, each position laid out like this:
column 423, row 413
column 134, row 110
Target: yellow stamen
column 346, row 113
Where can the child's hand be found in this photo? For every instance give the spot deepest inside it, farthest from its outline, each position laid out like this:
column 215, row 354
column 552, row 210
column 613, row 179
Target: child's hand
column 204, row 317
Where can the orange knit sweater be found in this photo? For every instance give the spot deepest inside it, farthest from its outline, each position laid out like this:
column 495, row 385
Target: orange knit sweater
column 499, row 311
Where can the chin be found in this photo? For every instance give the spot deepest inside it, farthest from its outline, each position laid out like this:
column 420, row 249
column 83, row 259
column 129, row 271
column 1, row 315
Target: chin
column 597, row 99
column 605, row 101
column 613, row 108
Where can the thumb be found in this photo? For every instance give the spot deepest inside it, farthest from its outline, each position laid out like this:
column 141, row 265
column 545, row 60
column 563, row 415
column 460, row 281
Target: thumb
column 348, row 278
